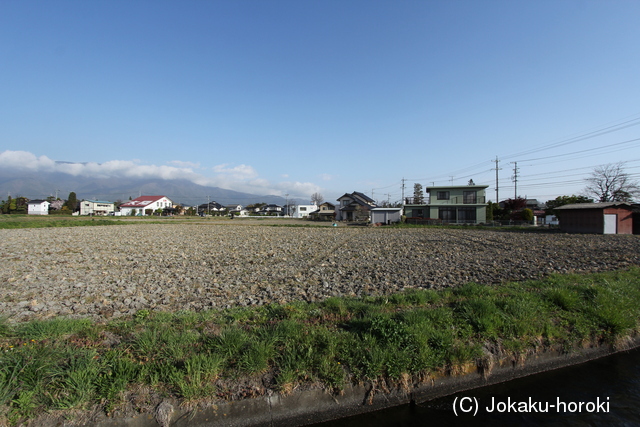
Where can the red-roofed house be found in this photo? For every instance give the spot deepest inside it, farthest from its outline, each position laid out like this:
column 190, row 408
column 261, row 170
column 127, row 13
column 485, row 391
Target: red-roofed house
column 145, row 205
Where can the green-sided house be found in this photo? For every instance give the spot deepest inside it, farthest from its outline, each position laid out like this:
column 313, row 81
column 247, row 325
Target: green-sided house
column 451, row 205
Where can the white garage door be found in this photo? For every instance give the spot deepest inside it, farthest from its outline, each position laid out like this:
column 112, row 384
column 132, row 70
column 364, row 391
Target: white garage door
column 610, row 223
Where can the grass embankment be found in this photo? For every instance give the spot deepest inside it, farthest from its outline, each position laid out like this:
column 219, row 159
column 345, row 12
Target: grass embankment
column 390, row 341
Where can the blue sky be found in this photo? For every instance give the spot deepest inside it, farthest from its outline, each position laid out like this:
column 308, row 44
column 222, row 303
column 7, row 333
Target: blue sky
column 294, row 97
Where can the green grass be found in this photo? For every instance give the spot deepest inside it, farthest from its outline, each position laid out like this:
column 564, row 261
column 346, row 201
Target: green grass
column 72, row 364
column 47, row 221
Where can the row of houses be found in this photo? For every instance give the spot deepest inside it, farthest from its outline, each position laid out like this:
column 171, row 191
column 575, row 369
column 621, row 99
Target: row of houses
column 445, row 204
column 149, row 205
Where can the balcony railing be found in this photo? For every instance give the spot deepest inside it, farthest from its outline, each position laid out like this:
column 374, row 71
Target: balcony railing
column 454, row 200
column 412, row 201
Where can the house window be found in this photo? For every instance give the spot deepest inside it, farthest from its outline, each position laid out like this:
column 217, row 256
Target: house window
column 443, row 195
column 303, row 209
column 469, row 197
column 447, row 214
column 467, row 214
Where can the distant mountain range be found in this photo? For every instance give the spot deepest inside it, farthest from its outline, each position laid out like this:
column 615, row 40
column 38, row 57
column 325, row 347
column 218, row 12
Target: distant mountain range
column 42, row 185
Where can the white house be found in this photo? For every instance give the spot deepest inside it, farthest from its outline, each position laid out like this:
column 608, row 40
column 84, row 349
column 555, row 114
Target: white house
column 145, row 205
column 38, row 207
column 303, row 211
column 96, row 207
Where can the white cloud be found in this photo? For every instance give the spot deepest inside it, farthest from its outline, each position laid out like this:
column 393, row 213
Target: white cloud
column 26, row 160
column 240, row 172
column 181, row 164
column 242, row 177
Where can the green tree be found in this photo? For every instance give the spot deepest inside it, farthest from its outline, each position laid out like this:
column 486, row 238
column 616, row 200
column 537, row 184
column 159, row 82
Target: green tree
column 527, row 214
column 418, row 194
column 6, row 207
column 491, row 207
column 512, row 208
column 72, row 202
column 565, row 200
column 21, row 205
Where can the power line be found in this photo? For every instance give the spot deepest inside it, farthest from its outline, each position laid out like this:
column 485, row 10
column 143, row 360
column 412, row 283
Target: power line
column 586, row 150
column 588, row 135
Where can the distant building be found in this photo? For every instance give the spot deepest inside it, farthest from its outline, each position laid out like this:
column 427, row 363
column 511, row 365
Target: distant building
column 211, row 207
column 303, row 211
column 386, row 215
column 355, row 206
column 96, row 207
column 462, row 204
column 598, row 218
column 326, row 211
column 145, row 205
column 270, row 209
column 38, row 207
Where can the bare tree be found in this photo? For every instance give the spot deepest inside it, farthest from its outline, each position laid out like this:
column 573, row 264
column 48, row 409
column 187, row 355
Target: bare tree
column 291, row 207
column 610, row 183
column 316, row 198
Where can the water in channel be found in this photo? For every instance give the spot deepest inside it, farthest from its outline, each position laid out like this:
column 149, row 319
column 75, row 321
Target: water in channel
column 609, row 389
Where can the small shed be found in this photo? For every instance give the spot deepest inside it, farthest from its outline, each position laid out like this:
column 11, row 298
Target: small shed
column 386, row 215
column 598, row 218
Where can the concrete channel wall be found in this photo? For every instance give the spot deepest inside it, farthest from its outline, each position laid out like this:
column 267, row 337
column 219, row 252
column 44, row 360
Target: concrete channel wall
column 314, row 406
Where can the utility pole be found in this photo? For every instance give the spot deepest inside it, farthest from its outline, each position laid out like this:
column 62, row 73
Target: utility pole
column 451, row 179
column 403, row 180
column 497, row 169
column 286, row 198
column 514, row 178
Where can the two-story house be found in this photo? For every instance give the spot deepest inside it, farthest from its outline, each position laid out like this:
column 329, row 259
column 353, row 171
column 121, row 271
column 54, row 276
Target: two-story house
column 303, row 211
column 145, row 205
column 96, row 207
column 326, row 211
column 38, row 207
column 270, row 209
column 354, row 207
column 452, row 204
column 209, row 208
